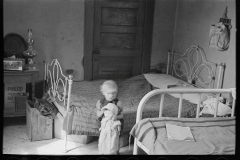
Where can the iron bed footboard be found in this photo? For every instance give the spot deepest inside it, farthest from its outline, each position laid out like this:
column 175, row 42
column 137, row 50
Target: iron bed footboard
column 53, row 77
column 181, row 92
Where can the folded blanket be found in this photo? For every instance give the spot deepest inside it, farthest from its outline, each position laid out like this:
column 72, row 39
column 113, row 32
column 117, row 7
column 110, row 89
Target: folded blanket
column 200, row 147
column 212, row 135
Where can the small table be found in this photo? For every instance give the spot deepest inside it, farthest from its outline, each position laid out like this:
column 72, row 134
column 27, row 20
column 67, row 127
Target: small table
column 28, row 77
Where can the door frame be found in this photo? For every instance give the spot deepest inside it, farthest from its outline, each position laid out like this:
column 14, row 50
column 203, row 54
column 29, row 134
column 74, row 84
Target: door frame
column 88, row 37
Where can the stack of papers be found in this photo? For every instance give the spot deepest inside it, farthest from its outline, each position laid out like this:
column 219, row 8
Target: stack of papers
column 175, row 132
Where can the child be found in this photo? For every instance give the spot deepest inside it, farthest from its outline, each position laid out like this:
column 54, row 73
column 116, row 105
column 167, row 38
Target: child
column 110, row 89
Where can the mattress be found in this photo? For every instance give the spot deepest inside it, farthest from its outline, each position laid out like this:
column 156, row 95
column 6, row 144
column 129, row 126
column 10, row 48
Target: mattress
column 212, row 135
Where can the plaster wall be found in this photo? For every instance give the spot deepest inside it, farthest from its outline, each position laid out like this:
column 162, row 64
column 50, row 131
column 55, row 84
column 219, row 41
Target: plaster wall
column 163, row 30
column 58, row 29
column 179, row 24
column 57, row 26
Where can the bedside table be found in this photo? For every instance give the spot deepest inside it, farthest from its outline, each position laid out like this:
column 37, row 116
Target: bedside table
column 28, row 77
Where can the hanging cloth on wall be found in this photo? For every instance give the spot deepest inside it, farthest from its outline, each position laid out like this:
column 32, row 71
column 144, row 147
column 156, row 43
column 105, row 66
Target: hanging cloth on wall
column 219, row 37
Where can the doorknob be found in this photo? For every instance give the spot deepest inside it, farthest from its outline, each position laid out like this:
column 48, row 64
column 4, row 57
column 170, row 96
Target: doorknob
column 96, row 51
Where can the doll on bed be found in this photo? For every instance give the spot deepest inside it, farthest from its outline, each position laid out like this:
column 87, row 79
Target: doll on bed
column 110, row 90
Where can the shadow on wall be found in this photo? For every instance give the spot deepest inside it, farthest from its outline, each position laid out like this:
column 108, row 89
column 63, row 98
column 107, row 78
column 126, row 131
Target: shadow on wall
column 39, row 89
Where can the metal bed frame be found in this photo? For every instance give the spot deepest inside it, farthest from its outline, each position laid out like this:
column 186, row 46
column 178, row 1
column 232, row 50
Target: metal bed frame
column 56, row 76
column 54, row 79
column 192, row 74
column 193, row 71
column 181, row 92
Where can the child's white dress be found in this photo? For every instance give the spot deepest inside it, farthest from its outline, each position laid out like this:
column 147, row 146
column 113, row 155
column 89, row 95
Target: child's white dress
column 108, row 142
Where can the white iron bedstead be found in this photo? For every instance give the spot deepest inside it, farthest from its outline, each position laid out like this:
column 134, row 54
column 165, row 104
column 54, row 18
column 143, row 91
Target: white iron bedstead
column 56, row 75
column 192, row 71
column 181, row 92
column 53, row 71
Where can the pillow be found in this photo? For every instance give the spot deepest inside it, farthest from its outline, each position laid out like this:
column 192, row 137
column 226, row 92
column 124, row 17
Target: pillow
column 164, row 80
column 209, row 108
column 193, row 98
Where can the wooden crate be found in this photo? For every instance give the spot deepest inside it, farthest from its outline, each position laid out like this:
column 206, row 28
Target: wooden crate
column 39, row 127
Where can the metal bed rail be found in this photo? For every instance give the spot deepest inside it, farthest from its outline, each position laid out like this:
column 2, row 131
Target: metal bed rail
column 181, row 92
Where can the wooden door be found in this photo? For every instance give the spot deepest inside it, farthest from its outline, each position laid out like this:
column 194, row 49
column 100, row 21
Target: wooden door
column 118, row 38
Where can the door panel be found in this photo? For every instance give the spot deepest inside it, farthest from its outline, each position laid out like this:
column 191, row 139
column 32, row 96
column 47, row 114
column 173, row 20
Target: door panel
column 119, row 16
column 120, row 66
column 118, row 32
column 119, row 19
column 118, row 41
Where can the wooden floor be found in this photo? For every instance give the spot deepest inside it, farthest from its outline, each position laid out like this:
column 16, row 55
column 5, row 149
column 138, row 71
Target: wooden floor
column 16, row 142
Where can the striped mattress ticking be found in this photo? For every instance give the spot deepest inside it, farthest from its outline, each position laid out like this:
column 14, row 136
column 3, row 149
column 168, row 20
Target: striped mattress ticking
column 212, row 135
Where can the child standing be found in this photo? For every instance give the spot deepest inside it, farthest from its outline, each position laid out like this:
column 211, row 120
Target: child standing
column 110, row 90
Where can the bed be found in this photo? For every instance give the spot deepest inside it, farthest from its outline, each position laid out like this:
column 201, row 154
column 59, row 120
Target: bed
column 76, row 100
column 213, row 135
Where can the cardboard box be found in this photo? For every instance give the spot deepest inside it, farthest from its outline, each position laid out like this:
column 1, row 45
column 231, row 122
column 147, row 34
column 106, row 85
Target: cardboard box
column 11, row 90
column 39, row 127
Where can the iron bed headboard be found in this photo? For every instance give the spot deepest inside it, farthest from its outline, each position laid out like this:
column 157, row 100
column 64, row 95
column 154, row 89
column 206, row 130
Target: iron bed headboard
column 193, row 70
column 54, row 79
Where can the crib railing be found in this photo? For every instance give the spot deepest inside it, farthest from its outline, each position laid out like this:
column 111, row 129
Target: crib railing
column 181, row 92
